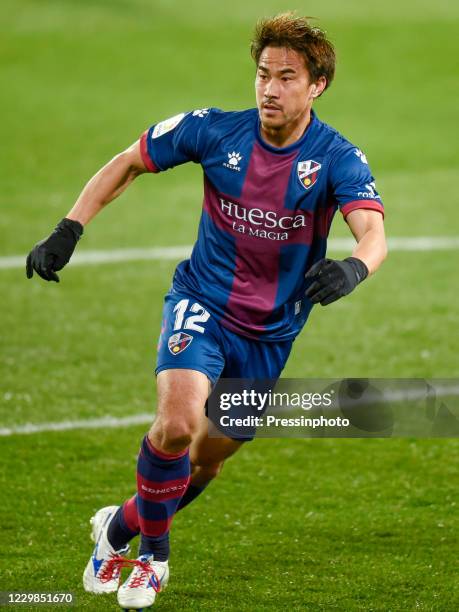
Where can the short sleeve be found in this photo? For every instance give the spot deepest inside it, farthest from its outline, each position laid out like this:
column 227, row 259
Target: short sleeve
column 352, row 182
column 174, row 141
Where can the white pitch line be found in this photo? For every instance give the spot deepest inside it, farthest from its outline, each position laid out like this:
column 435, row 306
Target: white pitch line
column 420, row 243
column 113, row 256
column 401, row 395
column 416, row 243
column 100, row 423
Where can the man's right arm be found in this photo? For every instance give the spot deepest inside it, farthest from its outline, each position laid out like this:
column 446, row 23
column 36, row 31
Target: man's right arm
column 167, row 144
column 54, row 252
column 108, row 184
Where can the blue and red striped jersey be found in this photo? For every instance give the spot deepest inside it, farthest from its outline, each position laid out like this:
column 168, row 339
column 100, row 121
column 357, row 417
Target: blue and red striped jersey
column 266, row 213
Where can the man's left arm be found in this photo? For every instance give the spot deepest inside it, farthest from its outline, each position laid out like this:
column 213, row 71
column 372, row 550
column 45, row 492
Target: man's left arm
column 332, row 279
column 368, row 229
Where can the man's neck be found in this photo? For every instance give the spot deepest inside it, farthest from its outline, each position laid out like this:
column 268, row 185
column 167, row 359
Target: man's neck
column 287, row 135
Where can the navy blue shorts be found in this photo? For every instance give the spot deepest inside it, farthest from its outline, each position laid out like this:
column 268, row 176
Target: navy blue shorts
column 192, row 338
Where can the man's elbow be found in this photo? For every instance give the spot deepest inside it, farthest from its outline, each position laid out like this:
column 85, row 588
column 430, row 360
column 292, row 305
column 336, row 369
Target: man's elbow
column 381, row 241
column 384, row 249
column 131, row 160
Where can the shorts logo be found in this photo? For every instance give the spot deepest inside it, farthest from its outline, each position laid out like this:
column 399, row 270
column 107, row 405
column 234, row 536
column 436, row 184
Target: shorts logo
column 179, row 342
column 308, row 172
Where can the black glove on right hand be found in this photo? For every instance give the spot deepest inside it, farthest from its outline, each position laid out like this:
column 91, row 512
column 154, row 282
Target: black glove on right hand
column 52, row 253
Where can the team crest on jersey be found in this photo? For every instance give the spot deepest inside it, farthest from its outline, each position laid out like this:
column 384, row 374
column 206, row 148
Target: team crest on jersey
column 308, row 172
column 179, row 342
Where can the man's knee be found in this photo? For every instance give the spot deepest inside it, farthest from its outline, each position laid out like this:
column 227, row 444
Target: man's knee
column 172, row 434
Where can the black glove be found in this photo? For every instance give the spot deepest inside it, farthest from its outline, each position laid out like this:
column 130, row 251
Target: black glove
column 54, row 252
column 333, row 279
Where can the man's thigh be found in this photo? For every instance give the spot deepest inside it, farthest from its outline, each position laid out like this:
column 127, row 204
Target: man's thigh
column 182, row 395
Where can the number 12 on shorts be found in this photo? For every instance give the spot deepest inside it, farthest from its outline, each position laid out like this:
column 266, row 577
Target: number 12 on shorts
column 191, row 321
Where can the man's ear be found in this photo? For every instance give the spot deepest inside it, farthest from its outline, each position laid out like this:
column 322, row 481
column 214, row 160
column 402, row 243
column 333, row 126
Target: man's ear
column 319, row 87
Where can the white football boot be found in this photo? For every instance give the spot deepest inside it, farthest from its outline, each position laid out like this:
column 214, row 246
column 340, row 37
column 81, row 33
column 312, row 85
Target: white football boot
column 102, row 572
column 146, row 579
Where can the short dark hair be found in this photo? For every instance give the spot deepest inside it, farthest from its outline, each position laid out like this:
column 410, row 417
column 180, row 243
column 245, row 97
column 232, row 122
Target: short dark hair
column 288, row 30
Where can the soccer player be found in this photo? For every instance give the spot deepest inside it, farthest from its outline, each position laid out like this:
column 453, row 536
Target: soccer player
column 274, row 176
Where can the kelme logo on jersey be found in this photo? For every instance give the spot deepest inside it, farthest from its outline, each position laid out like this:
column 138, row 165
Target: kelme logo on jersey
column 200, row 112
column 234, row 159
column 308, row 172
column 361, row 155
column 179, row 342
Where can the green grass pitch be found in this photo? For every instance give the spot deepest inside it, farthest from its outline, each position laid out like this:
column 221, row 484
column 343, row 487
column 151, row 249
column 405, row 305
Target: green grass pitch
column 311, row 525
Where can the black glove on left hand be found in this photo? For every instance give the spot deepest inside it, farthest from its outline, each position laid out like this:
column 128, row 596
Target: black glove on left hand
column 334, row 279
column 52, row 253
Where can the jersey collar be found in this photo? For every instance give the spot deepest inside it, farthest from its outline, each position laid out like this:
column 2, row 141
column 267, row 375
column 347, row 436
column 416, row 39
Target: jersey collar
column 295, row 145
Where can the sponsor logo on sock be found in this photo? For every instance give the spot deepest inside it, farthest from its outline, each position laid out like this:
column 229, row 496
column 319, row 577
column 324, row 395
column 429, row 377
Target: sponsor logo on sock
column 164, row 489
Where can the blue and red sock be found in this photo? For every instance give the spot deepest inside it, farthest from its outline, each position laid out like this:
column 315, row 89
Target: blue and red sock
column 162, row 480
column 190, row 494
column 124, row 525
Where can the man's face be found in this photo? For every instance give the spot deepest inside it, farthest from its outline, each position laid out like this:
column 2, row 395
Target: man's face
column 283, row 88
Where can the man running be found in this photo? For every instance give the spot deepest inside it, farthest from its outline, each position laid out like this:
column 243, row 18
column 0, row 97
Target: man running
column 274, row 176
